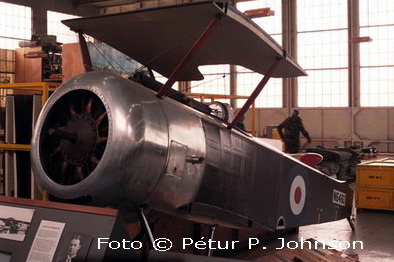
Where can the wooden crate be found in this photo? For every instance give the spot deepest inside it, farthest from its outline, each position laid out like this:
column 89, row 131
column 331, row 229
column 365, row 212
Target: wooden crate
column 375, row 184
column 382, row 199
column 376, row 174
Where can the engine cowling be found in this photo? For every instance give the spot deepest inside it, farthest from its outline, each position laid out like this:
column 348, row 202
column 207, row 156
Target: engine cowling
column 109, row 138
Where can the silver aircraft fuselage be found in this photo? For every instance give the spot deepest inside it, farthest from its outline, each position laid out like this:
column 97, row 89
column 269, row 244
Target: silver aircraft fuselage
column 112, row 139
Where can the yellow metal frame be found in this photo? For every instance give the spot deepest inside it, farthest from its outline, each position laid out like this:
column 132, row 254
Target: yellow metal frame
column 15, row 147
column 44, row 88
column 212, row 97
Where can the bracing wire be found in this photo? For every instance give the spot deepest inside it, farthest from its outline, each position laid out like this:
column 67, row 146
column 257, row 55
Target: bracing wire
column 219, row 77
column 142, row 67
column 104, row 54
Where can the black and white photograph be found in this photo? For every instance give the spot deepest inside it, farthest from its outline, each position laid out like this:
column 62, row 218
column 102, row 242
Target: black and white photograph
column 14, row 222
column 5, row 257
column 74, row 248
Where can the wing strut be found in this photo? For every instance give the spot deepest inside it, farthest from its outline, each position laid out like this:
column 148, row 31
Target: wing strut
column 255, row 93
column 189, row 55
column 86, row 60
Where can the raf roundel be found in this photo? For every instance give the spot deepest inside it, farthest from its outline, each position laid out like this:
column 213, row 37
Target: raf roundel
column 297, row 195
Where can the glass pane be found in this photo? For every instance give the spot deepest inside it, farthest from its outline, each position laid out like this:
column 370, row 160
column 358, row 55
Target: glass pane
column 321, row 15
column 376, row 12
column 323, row 53
column 377, row 86
column 327, row 49
column 376, row 57
column 15, row 25
column 270, row 96
column 323, row 88
column 381, row 50
column 56, row 27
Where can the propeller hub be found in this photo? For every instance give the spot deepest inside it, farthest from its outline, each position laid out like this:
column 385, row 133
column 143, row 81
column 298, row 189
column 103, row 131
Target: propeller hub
column 74, row 137
column 76, row 152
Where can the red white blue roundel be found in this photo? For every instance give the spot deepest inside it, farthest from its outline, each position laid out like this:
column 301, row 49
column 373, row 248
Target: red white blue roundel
column 297, row 195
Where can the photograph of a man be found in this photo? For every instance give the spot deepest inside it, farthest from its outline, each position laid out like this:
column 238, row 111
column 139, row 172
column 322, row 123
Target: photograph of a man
column 72, row 251
column 75, row 246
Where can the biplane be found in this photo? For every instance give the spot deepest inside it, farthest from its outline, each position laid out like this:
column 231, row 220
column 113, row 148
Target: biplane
column 111, row 140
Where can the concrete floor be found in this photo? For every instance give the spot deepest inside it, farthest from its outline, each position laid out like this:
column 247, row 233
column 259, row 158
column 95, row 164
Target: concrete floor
column 374, row 229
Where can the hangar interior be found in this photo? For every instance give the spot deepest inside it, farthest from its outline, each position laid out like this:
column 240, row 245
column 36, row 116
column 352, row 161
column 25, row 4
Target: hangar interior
column 345, row 100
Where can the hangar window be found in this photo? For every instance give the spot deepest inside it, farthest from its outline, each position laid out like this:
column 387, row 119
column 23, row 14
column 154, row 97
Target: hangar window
column 376, row 57
column 15, row 25
column 160, row 78
column 323, row 53
column 271, row 95
column 216, row 81
column 56, row 27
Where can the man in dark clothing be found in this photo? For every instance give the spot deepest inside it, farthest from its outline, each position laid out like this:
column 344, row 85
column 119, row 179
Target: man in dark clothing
column 73, row 248
column 293, row 126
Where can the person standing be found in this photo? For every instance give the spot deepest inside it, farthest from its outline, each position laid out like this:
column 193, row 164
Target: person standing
column 292, row 127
